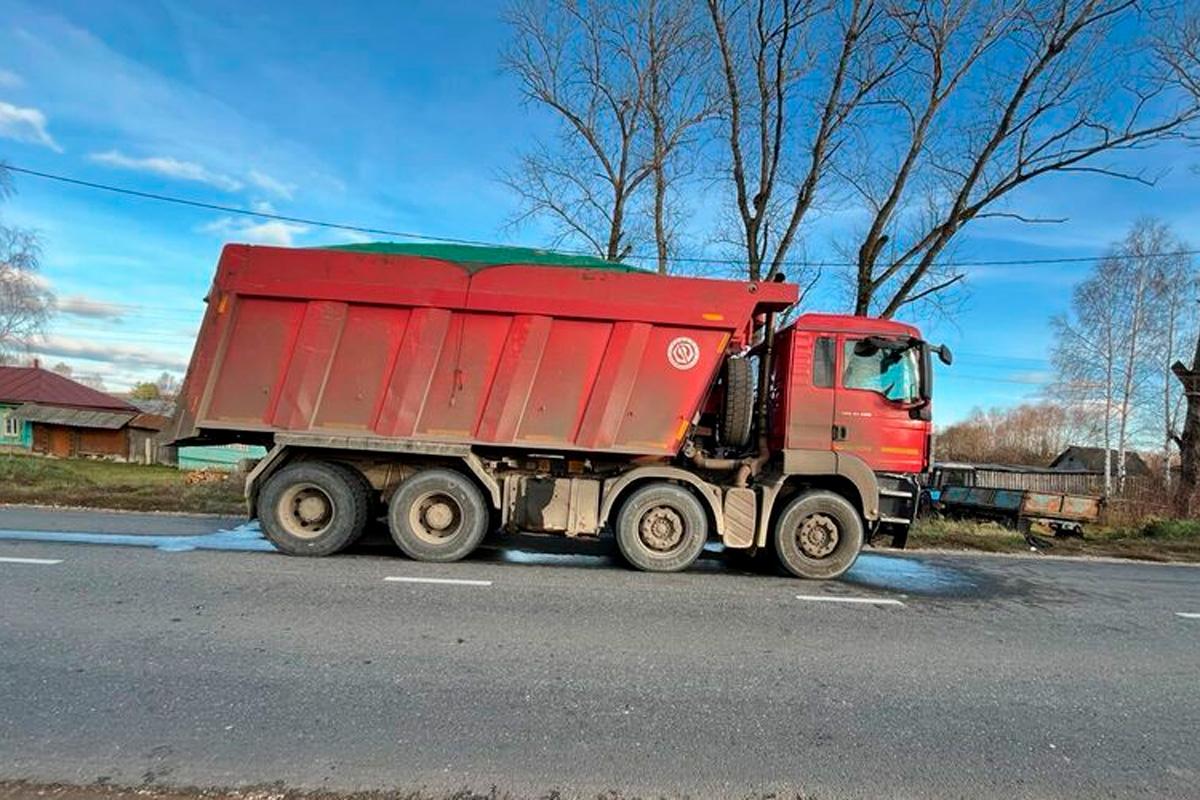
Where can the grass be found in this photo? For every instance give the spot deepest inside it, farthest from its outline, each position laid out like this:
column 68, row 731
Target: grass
column 1152, row 539
column 108, row 484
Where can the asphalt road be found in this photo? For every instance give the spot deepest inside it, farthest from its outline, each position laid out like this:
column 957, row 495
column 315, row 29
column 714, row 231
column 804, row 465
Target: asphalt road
column 538, row 671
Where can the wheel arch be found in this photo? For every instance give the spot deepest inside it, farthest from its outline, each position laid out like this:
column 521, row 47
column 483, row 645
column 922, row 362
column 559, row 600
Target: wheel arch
column 841, row 473
column 615, row 489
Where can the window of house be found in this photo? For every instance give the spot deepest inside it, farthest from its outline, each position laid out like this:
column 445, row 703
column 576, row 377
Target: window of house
column 12, row 427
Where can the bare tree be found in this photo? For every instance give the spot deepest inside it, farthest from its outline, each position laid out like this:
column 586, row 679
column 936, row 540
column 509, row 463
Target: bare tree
column 1178, row 46
column 1029, row 434
column 25, row 303
column 1086, row 355
column 992, row 97
column 793, row 73
column 623, row 82
column 1109, row 349
column 1173, row 329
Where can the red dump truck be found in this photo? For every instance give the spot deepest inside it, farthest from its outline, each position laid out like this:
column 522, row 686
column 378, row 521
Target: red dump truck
column 465, row 389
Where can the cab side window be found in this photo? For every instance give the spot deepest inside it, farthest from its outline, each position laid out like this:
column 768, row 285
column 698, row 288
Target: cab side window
column 824, row 354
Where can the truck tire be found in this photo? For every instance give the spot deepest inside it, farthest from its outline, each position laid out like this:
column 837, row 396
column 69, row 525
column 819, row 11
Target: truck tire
column 369, row 497
column 438, row 515
column 661, row 528
column 818, row 535
column 312, row 508
column 737, row 416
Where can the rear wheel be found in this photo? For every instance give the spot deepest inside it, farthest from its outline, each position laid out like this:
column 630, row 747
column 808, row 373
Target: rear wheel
column 366, row 493
column 819, row 535
column 438, row 515
column 661, row 528
column 313, row 508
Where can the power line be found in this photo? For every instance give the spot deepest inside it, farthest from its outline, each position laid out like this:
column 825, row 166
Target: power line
column 246, row 212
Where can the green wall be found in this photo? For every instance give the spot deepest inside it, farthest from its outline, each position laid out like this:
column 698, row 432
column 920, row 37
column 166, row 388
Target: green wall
column 24, row 439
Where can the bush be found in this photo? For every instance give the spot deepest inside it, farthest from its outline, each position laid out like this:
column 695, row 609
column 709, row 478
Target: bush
column 1171, row 529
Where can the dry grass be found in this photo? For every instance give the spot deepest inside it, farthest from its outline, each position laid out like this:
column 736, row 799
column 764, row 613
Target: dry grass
column 106, row 484
column 1152, row 540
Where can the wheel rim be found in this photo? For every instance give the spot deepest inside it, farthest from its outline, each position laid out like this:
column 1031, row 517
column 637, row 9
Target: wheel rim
column 306, row 510
column 818, row 535
column 435, row 517
column 661, row 529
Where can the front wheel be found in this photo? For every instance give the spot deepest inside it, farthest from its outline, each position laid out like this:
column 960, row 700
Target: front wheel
column 662, row 528
column 818, row 535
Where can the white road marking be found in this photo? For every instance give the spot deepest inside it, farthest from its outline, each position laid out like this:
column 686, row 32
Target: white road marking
column 1188, row 614
column 7, row 560
column 871, row 601
column 451, row 581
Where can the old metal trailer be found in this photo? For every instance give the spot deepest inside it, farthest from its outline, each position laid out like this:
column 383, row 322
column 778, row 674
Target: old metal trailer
column 466, row 387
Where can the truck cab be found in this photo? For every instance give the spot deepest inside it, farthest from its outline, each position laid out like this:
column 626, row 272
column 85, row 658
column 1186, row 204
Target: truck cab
column 862, row 389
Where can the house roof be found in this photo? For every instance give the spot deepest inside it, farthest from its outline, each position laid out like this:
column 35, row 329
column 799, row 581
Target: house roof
column 1092, row 459
column 150, row 422
column 37, row 385
column 74, row 417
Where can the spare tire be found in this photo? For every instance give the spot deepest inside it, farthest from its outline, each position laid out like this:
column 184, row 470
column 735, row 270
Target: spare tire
column 737, row 416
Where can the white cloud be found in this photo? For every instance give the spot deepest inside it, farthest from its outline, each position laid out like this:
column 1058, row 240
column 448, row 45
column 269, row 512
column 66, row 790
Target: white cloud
column 25, row 125
column 168, row 168
column 83, row 80
column 272, row 232
column 81, row 306
column 268, row 184
column 353, row 237
column 122, row 355
column 10, row 80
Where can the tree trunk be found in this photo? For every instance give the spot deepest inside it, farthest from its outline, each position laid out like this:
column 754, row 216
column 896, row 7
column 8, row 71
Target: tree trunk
column 660, row 224
column 1189, row 439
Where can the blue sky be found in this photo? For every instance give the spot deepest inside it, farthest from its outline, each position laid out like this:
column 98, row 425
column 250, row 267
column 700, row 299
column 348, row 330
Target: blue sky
column 395, row 116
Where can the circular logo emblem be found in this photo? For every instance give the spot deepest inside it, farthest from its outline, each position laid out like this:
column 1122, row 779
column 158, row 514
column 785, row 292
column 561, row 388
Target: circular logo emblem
column 683, row 352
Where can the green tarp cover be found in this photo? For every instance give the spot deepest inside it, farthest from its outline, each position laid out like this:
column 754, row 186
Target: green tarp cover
column 474, row 257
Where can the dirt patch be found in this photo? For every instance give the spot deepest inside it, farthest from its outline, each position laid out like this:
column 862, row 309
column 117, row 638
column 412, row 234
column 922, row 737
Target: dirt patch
column 111, row 485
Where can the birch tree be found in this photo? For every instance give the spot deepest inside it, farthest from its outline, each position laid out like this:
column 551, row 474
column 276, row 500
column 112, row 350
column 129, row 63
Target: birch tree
column 1174, row 327
column 1115, row 346
column 1086, row 355
column 25, row 303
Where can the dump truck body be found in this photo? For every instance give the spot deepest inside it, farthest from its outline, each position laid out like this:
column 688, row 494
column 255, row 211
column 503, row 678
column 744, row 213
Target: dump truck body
column 463, row 387
column 416, row 348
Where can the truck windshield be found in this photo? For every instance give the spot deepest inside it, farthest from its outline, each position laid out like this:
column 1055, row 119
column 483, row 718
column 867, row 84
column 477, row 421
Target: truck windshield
column 895, row 374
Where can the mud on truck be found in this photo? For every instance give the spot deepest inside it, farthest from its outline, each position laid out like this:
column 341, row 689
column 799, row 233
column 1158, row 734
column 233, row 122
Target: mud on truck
column 463, row 389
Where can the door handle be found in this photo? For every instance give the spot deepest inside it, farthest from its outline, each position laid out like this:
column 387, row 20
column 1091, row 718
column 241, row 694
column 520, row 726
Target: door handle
column 839, row 433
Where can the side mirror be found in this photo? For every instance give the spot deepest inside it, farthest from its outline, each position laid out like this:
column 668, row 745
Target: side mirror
column 944, row 355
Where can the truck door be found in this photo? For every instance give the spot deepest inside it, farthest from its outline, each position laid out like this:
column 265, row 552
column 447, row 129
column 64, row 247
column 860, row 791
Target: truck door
column 812, row 393
column 874, row 416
